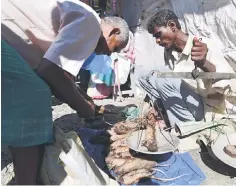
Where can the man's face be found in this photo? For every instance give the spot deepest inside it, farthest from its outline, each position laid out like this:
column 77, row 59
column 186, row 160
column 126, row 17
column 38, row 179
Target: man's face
column 165, row 36
column 108, row 42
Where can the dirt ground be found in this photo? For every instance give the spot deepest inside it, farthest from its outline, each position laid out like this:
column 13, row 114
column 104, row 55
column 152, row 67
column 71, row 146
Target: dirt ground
column 216, row 172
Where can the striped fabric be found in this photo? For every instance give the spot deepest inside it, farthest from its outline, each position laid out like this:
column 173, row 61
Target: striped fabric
column 26, row 103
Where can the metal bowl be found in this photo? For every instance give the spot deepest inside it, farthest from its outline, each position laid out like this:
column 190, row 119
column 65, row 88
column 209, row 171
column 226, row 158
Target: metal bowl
column 218, row 149
column 166, row 142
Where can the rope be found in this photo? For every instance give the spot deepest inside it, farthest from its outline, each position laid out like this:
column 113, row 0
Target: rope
column 223, row 128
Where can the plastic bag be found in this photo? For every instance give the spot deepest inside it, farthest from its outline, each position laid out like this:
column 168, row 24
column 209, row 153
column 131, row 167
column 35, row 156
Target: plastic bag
column 67, row 163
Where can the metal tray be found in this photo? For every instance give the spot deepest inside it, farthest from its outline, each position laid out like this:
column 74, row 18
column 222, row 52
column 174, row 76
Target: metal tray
column 218, row 149
column 167, row 142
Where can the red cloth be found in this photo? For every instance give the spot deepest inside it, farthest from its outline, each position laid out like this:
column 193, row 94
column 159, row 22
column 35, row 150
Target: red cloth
column 128, row 51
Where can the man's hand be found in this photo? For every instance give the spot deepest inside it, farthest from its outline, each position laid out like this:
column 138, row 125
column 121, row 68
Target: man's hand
column 199, row 52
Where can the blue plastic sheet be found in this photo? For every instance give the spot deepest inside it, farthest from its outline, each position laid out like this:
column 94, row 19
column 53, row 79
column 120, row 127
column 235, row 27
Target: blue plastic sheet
column 98, row 64
column 88, row 61
column 180, row 164
column 100, row 67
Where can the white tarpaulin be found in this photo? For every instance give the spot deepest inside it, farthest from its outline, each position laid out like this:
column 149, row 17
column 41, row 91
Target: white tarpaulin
column 214, row 19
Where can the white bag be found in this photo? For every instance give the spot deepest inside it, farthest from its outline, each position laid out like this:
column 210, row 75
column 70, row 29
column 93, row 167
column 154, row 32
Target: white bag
column 122, row 68
column 72, row 165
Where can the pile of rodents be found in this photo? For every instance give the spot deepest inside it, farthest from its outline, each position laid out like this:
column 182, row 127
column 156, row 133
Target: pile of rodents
column 128, row 166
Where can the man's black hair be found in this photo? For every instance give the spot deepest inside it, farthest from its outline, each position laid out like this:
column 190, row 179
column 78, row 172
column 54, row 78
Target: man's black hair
column 161, row 18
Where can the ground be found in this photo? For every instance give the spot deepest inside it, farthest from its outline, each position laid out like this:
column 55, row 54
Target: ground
column 216, row 172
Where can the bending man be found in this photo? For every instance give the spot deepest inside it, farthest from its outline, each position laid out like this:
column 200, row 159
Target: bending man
column 67, row 33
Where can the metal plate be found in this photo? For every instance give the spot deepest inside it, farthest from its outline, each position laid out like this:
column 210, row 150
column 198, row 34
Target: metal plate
column 218, row 149
column 167, row 142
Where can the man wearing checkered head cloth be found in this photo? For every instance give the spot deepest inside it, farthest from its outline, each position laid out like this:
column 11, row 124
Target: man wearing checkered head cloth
column 44, row 45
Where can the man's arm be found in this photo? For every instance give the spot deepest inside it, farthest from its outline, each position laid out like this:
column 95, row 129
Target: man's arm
column 64, row 88
column 208, row 67
column 84, row 94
